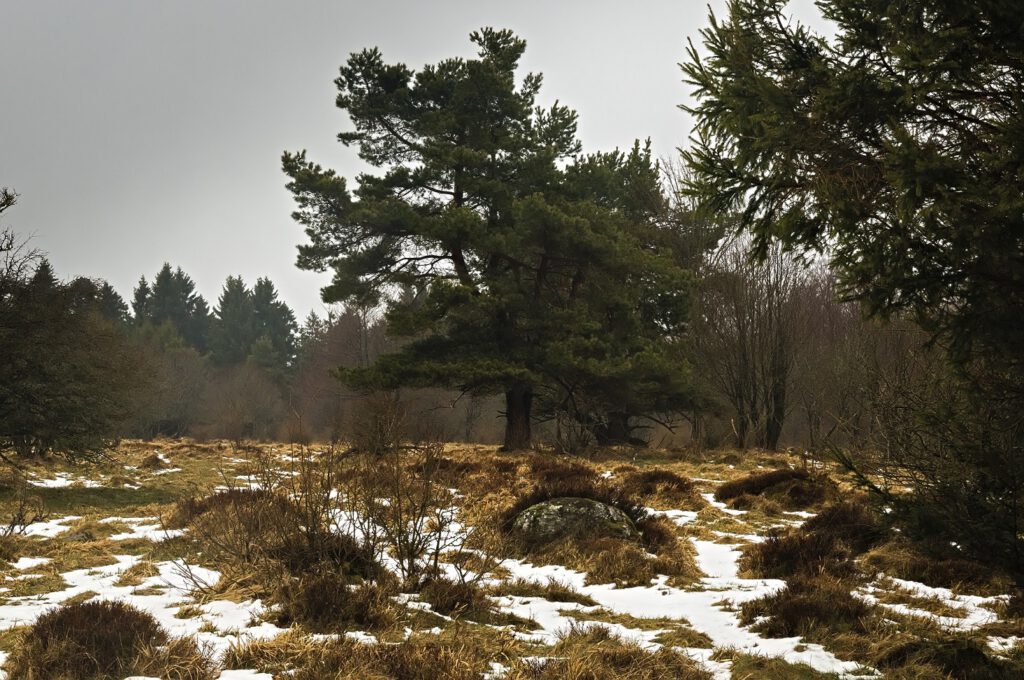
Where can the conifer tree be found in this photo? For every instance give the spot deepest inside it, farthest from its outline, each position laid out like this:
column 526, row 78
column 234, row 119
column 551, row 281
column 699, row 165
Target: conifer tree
column 173, row 299
column 896, row 147
column 275, row 321
column 234, row 328
column 474, row 219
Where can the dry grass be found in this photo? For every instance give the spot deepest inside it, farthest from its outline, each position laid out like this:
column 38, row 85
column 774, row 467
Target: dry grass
column 912, row 561
column 94, row 640
column 595, row 653
column 825, row 544
column 787, row 488
column 664, row 487
column 815, row 609
column 553, row 591
column 327, row 602
column 456, row 655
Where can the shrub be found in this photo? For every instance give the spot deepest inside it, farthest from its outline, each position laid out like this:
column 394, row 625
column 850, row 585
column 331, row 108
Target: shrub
column 236, row 500
column 101, row 639
column 301, row 554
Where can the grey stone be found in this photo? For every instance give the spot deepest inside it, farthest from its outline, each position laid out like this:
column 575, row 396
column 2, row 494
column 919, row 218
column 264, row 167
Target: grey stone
column 579, row 517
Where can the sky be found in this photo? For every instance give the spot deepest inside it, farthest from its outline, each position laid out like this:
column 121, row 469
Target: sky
column 142, row 132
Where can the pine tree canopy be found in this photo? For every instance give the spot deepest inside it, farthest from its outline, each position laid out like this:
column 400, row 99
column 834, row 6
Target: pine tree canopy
column 519, row 258
column 172, row 299
column 898, row 145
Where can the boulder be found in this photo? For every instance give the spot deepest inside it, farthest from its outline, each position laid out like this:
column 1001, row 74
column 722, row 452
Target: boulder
column 579, row 517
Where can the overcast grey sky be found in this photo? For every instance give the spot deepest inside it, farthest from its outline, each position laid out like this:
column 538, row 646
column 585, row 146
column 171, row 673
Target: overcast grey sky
column 142, row 132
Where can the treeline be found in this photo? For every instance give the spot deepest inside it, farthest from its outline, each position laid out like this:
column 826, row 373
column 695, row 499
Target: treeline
column 82, row 368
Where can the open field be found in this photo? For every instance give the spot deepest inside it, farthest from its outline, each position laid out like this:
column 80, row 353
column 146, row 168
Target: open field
column 703, row 592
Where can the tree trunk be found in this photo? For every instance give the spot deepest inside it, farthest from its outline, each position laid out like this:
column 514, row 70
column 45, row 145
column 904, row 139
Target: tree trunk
column 518, row 400
column 615, row 430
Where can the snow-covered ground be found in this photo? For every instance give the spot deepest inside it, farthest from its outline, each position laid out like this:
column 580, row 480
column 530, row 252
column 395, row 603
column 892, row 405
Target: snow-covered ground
column 709, row 607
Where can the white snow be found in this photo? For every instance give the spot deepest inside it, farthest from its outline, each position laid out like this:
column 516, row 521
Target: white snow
column 24, row 563
column 148, row 528
column 975, row 609
column 51, row 528
column 679, row 517
column 174, row 581
column 706, row 610
column 710, row 498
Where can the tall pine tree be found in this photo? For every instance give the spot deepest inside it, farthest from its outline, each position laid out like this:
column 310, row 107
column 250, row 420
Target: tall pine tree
column 473, row 216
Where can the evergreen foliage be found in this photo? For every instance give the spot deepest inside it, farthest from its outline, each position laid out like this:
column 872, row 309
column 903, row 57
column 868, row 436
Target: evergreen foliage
column 173, row 299
column 69, row 375
column 519, row 272
column 896, row 147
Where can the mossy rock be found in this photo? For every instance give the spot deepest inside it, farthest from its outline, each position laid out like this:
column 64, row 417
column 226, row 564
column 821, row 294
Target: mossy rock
column 576, row 517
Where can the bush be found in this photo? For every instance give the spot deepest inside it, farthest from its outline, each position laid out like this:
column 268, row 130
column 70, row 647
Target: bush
column 301, row 554
column 244, row 502
column 100, row 639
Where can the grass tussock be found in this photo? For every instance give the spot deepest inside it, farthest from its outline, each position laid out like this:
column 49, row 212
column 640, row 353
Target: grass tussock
column 944, row 657
column 595, row 653
column 811, row 608
column 664, row 485
column 421, row 657
column 933, row 566
column 825, row 544
column 327, row 602
column 791, row 489
column 93, row 640
column 457, row 599
column 555, row 470
column 552, row 591
column 749, row 667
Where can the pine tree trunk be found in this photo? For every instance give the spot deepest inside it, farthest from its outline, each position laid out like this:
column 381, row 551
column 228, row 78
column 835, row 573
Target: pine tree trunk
column 615, row 430
column 518, row 401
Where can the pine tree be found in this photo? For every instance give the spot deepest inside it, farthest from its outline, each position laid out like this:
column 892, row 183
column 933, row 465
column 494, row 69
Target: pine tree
column 172, row 299
column 140, row 302
column 275, row 321
column 234, row 328
column 68, row 376
column 896, row 147
column 475, row 218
